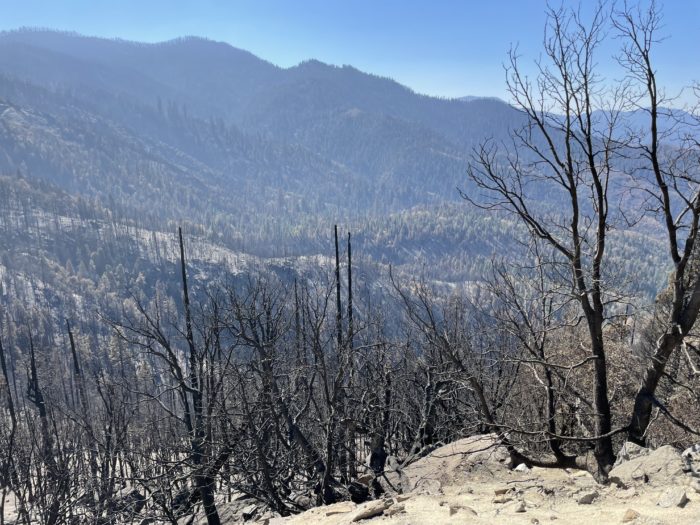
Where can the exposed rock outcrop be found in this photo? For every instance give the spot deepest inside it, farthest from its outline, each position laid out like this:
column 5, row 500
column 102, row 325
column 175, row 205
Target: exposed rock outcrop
column 660, row 467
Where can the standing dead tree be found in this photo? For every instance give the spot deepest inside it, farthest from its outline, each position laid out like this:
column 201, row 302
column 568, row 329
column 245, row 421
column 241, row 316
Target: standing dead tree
column 55, row 487
column 669, row 179
column 528, row 306
column 579, row 148
column 8, row 471
column 191, row 390
column 567, row 148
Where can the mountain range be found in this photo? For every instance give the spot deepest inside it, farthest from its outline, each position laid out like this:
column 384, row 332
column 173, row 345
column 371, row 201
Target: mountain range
column 258, row 160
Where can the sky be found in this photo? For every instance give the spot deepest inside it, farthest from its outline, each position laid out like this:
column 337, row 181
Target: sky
column 444, row 48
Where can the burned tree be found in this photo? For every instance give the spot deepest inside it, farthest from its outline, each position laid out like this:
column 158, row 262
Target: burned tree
column 567, row 148
column 668, row 177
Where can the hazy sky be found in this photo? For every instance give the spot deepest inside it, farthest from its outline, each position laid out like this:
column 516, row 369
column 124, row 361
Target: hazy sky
column 438, row 47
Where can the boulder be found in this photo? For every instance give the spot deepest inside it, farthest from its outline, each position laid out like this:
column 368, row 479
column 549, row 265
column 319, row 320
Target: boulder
column 673, row 497
column 630, row 451
column 660, row 467
column 630, row 515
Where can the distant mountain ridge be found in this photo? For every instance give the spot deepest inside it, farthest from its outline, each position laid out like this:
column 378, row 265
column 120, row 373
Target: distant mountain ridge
column 216, row 79
column 378, row 134
column 257, row 157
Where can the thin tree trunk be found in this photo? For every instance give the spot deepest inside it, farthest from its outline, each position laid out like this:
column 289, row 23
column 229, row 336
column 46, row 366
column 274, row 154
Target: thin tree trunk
column 203, row 483
column 352, row 452
column 339, row 306
column 54, row 482
column 12, row 478
column 351, row 326
column 644, row 400
column 342, row 460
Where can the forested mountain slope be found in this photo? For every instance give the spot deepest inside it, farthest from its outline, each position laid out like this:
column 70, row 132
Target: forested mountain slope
column 262, row 159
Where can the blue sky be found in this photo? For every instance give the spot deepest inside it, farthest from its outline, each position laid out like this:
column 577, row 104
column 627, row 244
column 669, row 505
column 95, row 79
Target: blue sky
column 437, row 47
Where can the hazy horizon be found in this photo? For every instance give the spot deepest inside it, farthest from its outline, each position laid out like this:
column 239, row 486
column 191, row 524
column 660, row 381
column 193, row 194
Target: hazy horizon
column 441, row 49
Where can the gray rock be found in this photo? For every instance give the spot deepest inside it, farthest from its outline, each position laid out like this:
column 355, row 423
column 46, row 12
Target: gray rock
column 673, row 497
column 660, row 467
column 586, row 498
column 522, row 468
column 630, row 451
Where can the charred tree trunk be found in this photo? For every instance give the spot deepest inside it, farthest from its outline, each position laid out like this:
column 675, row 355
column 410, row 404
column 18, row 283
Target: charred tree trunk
column 84, row 406
column 203, row 483
column 55, row 486
column 351, row 326
column 645, row 399
column 352, row 452
column 8, row 475
column 338, row 411
column 339, row 306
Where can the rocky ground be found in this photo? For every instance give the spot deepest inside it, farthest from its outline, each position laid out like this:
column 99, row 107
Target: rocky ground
column 469, row 481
